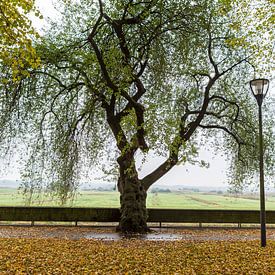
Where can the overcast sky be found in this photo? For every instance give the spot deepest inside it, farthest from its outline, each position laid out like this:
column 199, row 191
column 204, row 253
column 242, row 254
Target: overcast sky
column 184, row 175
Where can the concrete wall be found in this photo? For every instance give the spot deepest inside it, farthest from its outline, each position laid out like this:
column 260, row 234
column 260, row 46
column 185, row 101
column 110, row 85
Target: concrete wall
column 112, row 215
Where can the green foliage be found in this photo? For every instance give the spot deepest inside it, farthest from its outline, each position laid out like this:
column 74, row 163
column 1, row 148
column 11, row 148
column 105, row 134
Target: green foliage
column 165, row 76
column 16, row 49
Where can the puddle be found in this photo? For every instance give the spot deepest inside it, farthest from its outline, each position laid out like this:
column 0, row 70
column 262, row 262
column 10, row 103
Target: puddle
column 103, row 236
column 149, row 236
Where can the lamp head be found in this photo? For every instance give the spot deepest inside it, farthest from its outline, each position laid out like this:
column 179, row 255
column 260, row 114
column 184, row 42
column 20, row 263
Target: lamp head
column 259, row 88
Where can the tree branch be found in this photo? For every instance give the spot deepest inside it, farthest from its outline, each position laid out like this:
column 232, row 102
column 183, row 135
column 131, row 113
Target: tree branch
column 210, row 55
column 236, row 138
column 102, row 65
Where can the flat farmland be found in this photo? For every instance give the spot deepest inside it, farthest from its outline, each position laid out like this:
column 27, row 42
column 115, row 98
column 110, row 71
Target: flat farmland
column 174, row 200
column 206, row 201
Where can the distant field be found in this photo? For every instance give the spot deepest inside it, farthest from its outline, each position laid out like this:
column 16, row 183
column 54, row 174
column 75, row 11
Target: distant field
column 192, row 200
column 205, row 201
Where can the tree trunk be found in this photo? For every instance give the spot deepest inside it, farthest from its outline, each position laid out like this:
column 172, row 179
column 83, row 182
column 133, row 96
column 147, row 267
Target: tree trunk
column 133, row 205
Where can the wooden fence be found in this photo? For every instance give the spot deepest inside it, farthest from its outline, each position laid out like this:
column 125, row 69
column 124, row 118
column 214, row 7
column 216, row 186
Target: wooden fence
column 67, row 214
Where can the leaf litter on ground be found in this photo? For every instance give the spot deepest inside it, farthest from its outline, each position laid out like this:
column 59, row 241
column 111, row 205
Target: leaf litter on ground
column 35, row 254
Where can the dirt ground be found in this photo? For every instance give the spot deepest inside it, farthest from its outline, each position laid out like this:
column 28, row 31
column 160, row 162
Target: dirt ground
column 158, row 234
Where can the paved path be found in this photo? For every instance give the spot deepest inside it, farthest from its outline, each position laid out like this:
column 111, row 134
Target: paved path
column 109, row 234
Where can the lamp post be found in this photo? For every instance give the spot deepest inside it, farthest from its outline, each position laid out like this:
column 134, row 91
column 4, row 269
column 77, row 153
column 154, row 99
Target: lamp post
column 259, row 88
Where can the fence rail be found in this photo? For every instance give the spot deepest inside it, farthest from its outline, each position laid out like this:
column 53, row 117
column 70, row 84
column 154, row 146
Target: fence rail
column 67, row 214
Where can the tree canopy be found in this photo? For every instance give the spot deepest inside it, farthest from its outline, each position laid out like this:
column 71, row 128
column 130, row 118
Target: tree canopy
column 161, row 76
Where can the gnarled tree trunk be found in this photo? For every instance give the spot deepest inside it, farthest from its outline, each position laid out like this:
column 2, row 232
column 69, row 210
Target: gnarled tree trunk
column 133, row 208
column 132, row 200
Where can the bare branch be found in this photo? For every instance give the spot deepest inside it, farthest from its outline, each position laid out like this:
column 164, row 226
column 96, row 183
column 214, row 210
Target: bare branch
column 216, row 97
column 210, row 55
column 236, row 138
column 233, row 66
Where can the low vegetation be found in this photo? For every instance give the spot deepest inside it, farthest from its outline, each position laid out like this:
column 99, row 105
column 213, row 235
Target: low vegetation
column 175, row 200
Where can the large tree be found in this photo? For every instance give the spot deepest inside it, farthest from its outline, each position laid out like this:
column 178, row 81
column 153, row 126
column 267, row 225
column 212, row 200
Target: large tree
column 164, row 76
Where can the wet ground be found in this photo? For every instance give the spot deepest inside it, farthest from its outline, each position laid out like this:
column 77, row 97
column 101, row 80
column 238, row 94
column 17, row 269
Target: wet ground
column 109, row 233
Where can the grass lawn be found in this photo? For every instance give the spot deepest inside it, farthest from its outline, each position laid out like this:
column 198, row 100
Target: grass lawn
column 192, row 200
column 54, row 256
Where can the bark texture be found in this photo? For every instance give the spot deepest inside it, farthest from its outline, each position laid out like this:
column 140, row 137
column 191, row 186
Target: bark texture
column 132, row 200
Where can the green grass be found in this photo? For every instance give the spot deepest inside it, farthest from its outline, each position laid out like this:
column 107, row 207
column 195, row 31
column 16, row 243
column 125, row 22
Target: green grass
column 11, row 197
column 203, row 201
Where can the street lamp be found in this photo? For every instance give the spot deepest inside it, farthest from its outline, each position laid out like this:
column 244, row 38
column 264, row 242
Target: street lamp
column 259, row 88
